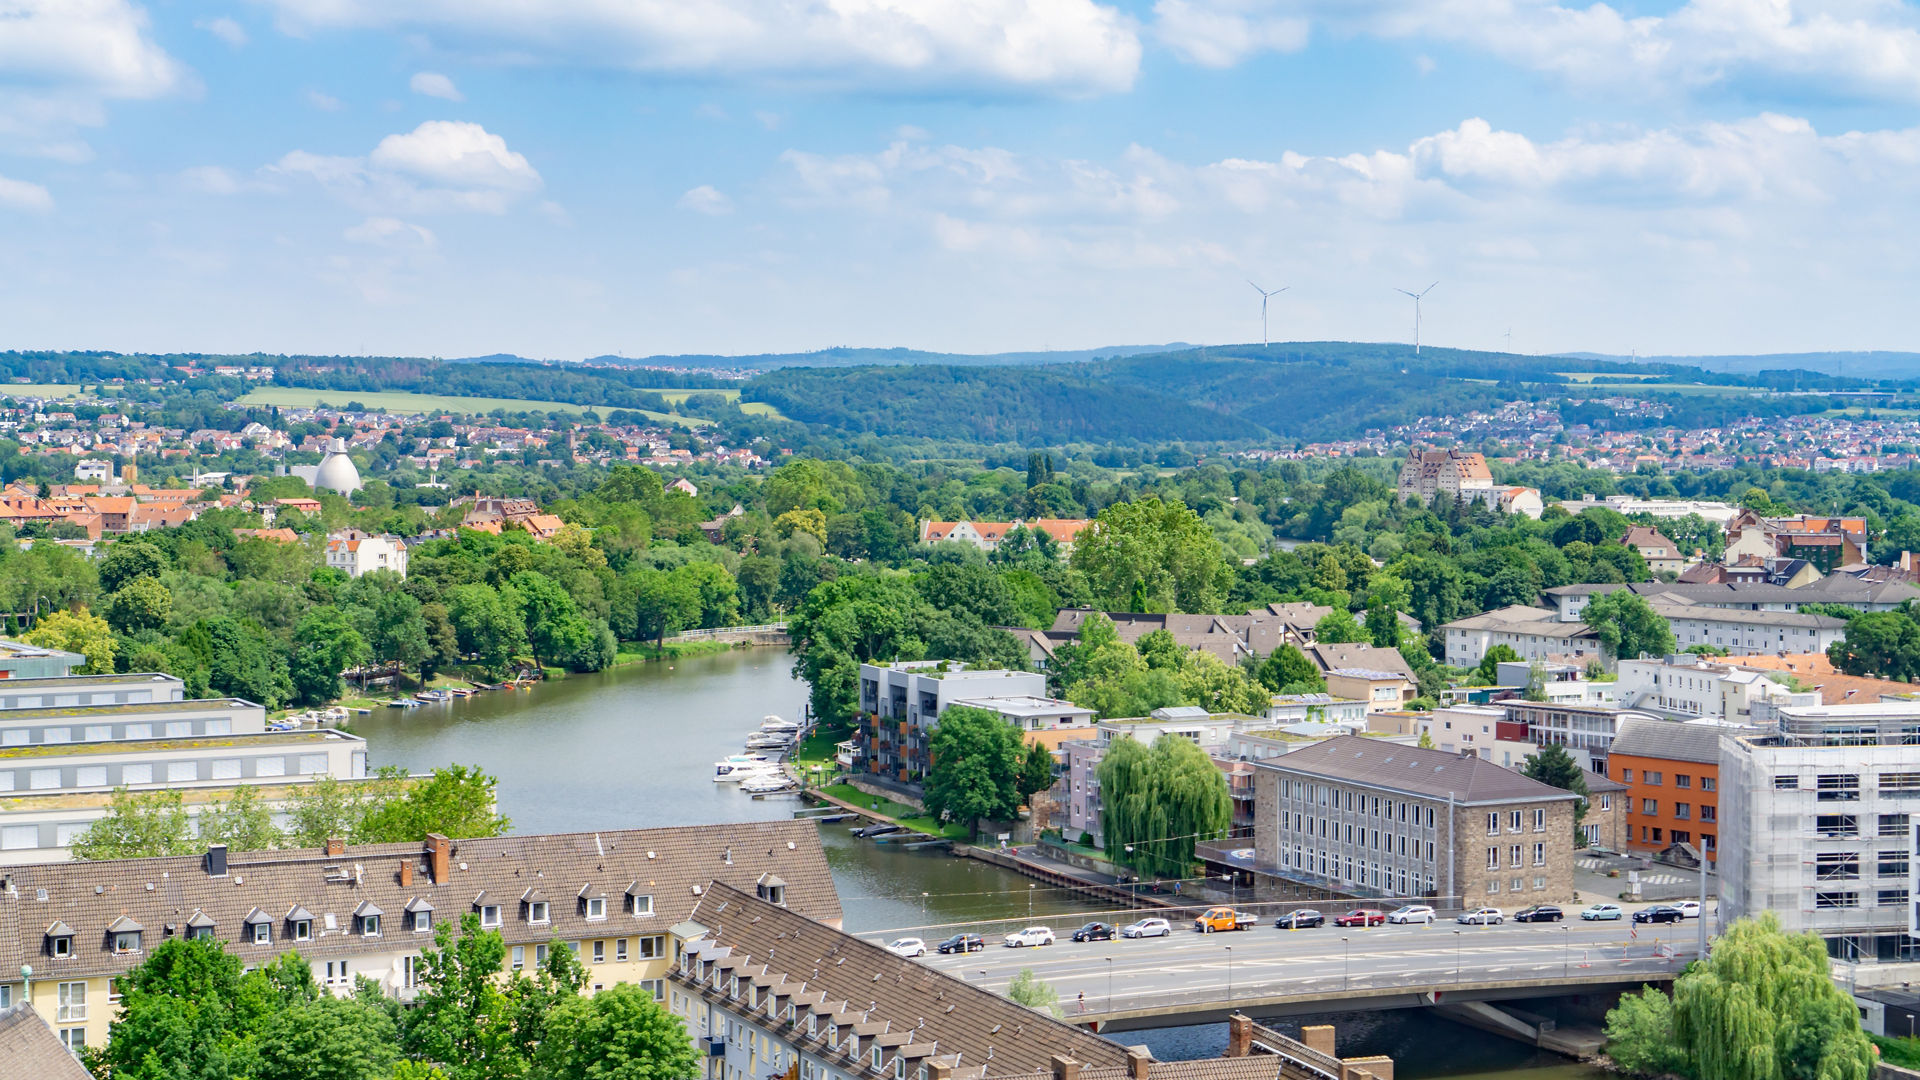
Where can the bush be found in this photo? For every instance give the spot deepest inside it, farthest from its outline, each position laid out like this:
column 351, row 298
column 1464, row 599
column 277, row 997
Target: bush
column 1640, row 1035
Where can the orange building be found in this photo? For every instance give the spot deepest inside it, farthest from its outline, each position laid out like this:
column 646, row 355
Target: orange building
column 1671, row 770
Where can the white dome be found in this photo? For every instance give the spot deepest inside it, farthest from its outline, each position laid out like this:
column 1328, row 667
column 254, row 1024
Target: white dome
column 336, row 471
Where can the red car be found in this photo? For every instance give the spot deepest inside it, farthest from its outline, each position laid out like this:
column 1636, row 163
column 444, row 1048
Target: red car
column 1362, row 917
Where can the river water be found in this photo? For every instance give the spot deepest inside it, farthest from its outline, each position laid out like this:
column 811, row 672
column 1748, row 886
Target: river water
column 634, row 747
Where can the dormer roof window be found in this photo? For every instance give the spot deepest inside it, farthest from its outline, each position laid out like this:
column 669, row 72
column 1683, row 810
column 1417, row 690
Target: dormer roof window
column 419, row 915
column 366, row 919
column 771, row 888
column 59, row 940
column 200, row 925
column 535, row 904
column 125, row 935
column 593, row 905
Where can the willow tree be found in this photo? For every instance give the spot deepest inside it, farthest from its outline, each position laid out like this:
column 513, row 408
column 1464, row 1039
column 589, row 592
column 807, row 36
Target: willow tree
column 1157, row 801
column 1764, row 1007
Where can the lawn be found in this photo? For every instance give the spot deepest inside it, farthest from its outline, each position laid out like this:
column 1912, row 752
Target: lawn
column 394, row 401
column 900, row 813
column 60, row 390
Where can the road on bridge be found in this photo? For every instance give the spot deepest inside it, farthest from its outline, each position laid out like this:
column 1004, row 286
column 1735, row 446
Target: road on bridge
column 1117, row 976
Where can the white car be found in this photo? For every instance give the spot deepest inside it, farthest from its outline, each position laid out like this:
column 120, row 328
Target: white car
column 1689, row 908
column 1147, row 928
column 907, row 946
column 1032, row 935
column 1486, row 916
column 1411, row 913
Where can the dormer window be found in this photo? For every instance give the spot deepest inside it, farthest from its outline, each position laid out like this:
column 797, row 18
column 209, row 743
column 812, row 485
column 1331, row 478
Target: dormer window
column 419, row 915
column 733, row 990
column 366, row 919
column 876, row 1059
column 59, row 941
column 300, row 924
column 490, row 915
column 596, row 907
column 537, row 911
column 259, row 927
column 369, row 926
column 263, row 933
column 125, row 934
column 639, row 904
column 772, row 889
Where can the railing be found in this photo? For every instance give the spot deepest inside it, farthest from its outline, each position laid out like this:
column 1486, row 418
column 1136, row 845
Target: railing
column 764, row 628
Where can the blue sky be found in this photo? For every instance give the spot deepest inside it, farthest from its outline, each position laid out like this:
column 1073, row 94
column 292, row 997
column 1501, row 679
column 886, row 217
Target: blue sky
column 451, row 177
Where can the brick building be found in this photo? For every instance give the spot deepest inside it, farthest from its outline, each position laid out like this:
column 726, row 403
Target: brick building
column 1672, row 773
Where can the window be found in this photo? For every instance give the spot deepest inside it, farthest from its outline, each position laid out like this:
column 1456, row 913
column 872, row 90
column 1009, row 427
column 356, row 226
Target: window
column 519, row 957
column 1836, row 900
column 178, row 771
column 619, row 948
column 1606, row 802
column 338, row 974
column 1786, row 783
column 141, row 773
column 139, row 731
column 1626, row 776
column 313, row 764
column 127, row 941
column 1892, row 898
column 177, row 729
column 1513, row 821
column 540, row 955
column 1493, row 823
column 1539, row 883
column 410, row 971
column 1539, row 820
column 226, row 768
column 1493, row 858
column 1838, row 787
column 1513, row 855
column 1539, row 854
column 596, row 907
column 1893, row 824
column 600, row 952
column 490, row 915
column 537, row 911
column 1707, row 783
column 656, row 987
column 1650, row 807
column 1836, row 865
column 43, row 779
column 262, row 933
column 1683, row 811
column 653, row 946
column 1892, row 864
column 422, row 921
column 90, row 776
column 60, row 947
column 1830, row 825
column 1682, row 780
column 1493, row 887
column 270, row 766
column 303, row 929
column 72, row 1003
column 73, row 1038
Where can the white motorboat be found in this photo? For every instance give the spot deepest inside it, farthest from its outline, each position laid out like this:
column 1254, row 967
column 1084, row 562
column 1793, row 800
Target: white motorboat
column 739, row 767
column 774, row 723
column 765, row 741
column 766, row 783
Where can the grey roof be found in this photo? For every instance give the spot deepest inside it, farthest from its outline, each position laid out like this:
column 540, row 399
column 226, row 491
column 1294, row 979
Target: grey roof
column 1372, row 674
column 1597, row 783
column 1352, row 654
column 1523, row 619
column 29, row 1050
column 1745, row 617
column 1433, row 774
column 1670, row 740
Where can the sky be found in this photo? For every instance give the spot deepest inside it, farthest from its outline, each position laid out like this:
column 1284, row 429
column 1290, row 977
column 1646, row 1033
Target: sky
column 569, row 178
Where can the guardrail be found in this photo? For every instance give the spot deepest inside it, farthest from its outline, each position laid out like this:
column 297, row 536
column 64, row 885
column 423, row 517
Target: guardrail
column 694, row 635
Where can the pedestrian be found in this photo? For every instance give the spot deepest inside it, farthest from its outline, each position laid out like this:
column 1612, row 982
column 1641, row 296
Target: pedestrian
column 1083, row 1001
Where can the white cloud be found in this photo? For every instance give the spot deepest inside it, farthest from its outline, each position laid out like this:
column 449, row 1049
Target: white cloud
column 435, row 85
column 1865, row 48
column 21, row 195
column 1070, row 47
column 323, row 102
column 225, row 29
column 706, row 199
column 61, row 61
column 210, row 179
column 392, row 233
column 442, row 165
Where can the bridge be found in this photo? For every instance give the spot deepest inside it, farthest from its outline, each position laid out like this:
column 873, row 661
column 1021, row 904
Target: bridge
column 764, row 634
column 1269, row 973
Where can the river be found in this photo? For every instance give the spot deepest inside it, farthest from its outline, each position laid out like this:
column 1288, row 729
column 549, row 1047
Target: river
column 634, row 747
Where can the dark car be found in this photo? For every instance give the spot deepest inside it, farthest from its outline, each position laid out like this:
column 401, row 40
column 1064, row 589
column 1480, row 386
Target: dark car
column 1094, row 931
column 1362, row 917
column 1539, row 913
column 1300, row 920
column 963, row 943
column 1660, row 914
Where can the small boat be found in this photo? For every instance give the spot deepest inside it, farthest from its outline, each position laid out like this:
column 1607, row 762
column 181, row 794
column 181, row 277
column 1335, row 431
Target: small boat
column 434, row 695
column 774, row 723
column 336, row 713
column 766, row 783
column 403, row 703
column 769, row 742
column 739, row 767
column 877, row 830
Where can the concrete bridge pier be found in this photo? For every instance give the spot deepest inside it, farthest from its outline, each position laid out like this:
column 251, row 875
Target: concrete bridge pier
column 1520, row 1025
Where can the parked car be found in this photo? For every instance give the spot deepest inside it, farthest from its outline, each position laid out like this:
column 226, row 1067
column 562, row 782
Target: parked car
column 1032, row 935
column 1659, row 913
column 907, row 946
column 1411, row 913
column 1094, row 931
column 1689, row 908
column 1539, row 913
column 1486, row 916
column 1223, row 918
column 1147, row 928
column 1300, row 920
column 1362, row 917
column 1598, row 912
column 963, row 943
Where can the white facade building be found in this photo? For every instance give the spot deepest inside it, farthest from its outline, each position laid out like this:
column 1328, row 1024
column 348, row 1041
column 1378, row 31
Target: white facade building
column 354, row 553
column 1688, row 687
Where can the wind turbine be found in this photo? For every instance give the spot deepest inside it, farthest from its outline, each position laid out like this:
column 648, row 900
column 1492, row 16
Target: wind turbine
column 1264, row 296
column 1416, row 313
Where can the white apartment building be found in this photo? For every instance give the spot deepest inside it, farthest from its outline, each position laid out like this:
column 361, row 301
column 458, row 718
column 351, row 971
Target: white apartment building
column 901, row 702
column 1561, row 684
column 1317, row 708
column 354, row 553
column 1689, row 687
column 1534, row 633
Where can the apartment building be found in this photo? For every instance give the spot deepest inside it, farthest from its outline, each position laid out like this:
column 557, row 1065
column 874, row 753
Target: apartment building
column 1382, row 691
column 1427, row 473
column 1690, row 687
column 1385, row 820
column 986, row 535
column 1817, row 825
column 1533, row 633
column 901, row 702
column 371, row 909
column 1317, row 708
column 1586, row 731
column 69, row 691
column 1079, row 787
column 1671, row 770
column 354, row 553
column 1662, row 555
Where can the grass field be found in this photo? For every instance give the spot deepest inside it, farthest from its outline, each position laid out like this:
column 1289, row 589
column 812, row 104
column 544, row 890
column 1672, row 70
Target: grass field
column 40, row 389
column 900, row 813
column 297, row 397
column 751, row 408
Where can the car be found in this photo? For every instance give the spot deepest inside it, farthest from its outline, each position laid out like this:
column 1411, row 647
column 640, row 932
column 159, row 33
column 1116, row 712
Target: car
column 1411, row 913
column 962, row 943
column 1094, row 931
column 1689, row 908
column 1539, row 913
column 1486, row 916
column 1362, row 917
column 1599, row 912
column 1146, row 928
column 907, row 946
column 1032, row 935
column 1300, row 920
column 1658, row 913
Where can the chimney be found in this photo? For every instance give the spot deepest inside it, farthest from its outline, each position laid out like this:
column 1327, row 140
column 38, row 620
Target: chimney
column 1239, row 1035
column 1138, row 1060
column 336, row 846
column 1319, row 1037
column 439, row 853
column 940, row 1070
column 217, row 860
column 406, row 872
column 1065, row 1068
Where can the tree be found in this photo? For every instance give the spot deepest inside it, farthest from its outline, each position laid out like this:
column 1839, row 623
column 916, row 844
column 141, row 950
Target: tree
column 1640, row 1034
column 325, row 645
column 328, row 1038
column 1028, row 989
column 1153, row 555
column 485, row 627
column 620, row 1033
column 244, row 662
column 976, row 759
column 457, row 801
column 463, row 1017
column 140, row 604
column 127, row 561
column 241, row 821
column 1882, row 643
column 78, row 632
column 1156, row 801
column 1488, row 673
column 138, row 825
column 664, row 602
column 1764, row 1006
column 1627, row 625
column 1287, row 667
column 1336, row 627
column 1036, row 772
column 179, row 1016
column 1554, row 767
column 1205, row 680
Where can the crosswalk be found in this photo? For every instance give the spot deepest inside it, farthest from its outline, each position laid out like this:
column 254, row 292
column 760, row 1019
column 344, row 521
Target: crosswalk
column 1646, row 877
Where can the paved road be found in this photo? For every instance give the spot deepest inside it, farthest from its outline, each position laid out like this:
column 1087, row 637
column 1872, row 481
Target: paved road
column 1195, row 967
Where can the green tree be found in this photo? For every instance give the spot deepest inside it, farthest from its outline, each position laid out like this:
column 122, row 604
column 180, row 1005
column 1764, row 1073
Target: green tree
column 1036, row 772
column 485, row 626
column 1640, row 1036
column 620, row 1033
column 1153, row 555
column 1288, row 667
column 325, row 645
column 1338, row 626
column 464, row 1017
column 138, row 825
column 456, row 801
column 140, row 604
column 1157, row 801
column 1627, row 625
column 1881, row 643
column 180, row 1016
column 77, row 632
column 328, row 1039
column 241, row 821
column 1028, row 989
column 127, row 561
column 1205, row 680
column 1554, row 767
column 976, row 767
column 1488, row 673
column 664, row 602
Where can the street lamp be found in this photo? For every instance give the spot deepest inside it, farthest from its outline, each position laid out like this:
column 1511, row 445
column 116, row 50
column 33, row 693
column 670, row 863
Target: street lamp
column 1566, row 953
column 1456, row 956
column 1233, row 887
column 1346, row 960
column 1030, row 901
column 1110, row 985
column 1229, row 949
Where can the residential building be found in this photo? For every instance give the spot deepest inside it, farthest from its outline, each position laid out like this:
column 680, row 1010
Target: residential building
column 1586, row 731
column 1685, row 686
column 1672, row 773
column 1521, row 500
column 1352, row 654
column 372, row 909
column 1533, row 633
column 354, row 553
column 1317, row 708
column 1078, row 790
column 900, row 703
column 1718, row 513
column 1386, row 820
column 1463, row 476
column 93, row 471
column 1817, row 826
column 986, row 535
column 1663, row 556
column 764, row 992
column 1740, row 618
column 1035, row 714
column 32, row 1051
column 1605, row 823
column 1230, row 638
column 1382, row 691
column 1560, row 683
column 67, row 691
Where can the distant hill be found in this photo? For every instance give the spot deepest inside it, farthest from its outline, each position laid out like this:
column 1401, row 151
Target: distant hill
column 1851, row 365
column 860, row 357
